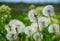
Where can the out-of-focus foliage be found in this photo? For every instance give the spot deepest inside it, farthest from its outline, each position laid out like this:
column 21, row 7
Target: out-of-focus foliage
column 5, row 16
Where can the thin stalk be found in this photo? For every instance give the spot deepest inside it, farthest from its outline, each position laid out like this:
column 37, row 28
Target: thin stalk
column 26, row 38
column 52, row 26
column 31, row 38
column 38, row 29
column 17, row 35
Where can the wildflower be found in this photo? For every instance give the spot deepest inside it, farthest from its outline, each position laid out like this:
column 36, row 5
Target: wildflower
column 32, row 14
column 11, row 36
column 43, row 22
column 54, row 28
column 17, row 25
column 29, row 31
column 40, row 25
column 38, row 36
column 9, row 30
column 34, row 26
column 48, row 10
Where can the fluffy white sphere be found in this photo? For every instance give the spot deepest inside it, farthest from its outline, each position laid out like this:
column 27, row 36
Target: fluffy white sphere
column 54, row 28
column 17, row 25
column 34, row 26
column 29, row 31
column 43, row 22
column 38, row 36
column 32, row 15
column 10, row 36
column 48, row 10
column 7, row 28
column 39, row 26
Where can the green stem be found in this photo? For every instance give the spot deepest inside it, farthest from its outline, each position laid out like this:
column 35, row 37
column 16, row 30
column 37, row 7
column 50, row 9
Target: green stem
column 26, row 38
column 38, row 29
column 52, row 26
column 31, row 37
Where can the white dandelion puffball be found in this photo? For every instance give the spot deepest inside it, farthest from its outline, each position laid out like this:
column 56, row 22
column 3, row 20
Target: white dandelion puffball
column 11, row 36
column 38, row 36
column 29, row 31
column 43, row 22
column 32, row 15
column 16, row 24
column 54, row 28
column 37, row 27
column 7, row 28
column 48, row 10
column 34, row 26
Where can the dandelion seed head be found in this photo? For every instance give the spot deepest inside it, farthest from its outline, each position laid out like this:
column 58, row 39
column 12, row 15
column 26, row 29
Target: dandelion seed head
column 17, row 24
column 56, row 27
column 32, row 14
column 37, row 36
column 10, row 36
column 43, row 22
column 48, row 10
column 29, row 31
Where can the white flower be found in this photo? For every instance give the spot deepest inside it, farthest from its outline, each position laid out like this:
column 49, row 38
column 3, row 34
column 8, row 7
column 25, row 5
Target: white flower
column 9, row 30
column 48, row 10
column 32, row 14
column 54, row 28
column 38, row 36
column 20, row 29
column 17, row 25
column 34, row 26
column 43, row 22
column 11, row 36
column 29, row 31
column 40, row 26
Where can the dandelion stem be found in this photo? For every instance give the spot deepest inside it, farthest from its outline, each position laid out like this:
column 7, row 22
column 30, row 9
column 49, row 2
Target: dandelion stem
column 53, row 27
column 26, row 38
column 52, row 23
column 31, row 38
column 38, row 29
